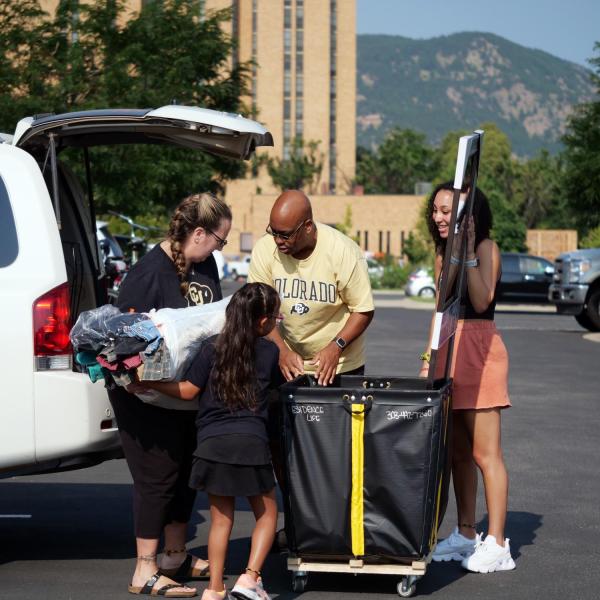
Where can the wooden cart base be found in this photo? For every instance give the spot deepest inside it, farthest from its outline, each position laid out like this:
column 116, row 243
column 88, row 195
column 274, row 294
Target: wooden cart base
column 406, row 587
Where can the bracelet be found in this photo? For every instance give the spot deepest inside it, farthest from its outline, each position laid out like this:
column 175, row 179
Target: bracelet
column 425, row 356
column 454, row 260
column 472, row 263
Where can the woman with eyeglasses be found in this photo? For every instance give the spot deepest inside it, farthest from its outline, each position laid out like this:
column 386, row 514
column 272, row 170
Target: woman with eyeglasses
column 159, row 439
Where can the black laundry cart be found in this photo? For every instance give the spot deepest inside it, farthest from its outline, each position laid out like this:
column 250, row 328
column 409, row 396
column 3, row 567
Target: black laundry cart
column 366, row 467
column 366, row 460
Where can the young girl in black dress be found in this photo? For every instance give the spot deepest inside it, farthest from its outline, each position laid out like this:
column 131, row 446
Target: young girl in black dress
column 233, row 372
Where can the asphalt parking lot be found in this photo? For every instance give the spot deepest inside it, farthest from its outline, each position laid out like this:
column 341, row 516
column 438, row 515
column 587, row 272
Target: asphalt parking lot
column 68, row 535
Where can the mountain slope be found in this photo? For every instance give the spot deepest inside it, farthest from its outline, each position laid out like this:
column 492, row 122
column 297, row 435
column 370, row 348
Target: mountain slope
column 461, row 80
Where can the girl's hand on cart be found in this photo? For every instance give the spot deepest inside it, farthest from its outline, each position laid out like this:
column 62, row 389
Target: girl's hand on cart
column 291, row 364
column 327, row 361
column 424, row 372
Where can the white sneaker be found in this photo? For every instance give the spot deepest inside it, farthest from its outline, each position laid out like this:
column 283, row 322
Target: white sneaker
column 455, row 547
column 247, row 589
column 489, row 557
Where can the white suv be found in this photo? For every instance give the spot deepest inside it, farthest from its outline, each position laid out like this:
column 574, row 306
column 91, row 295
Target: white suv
column 51, row 415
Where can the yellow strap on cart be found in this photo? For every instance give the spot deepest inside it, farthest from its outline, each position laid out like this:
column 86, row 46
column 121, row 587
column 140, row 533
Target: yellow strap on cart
column 358, row 459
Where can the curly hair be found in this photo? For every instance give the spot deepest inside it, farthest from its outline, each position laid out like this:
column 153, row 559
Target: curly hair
column 234, row 373
column 199, row 210
column 482, row 217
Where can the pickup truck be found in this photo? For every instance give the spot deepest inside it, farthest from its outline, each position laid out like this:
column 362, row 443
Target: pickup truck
column 52, row 417
column 576, row 286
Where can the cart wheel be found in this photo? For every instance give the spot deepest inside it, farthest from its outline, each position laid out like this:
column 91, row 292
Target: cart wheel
column 299, row 582
column 407, row 587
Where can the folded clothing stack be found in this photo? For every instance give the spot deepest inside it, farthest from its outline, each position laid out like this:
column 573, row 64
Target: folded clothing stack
column 158, row 345
column 120, row 343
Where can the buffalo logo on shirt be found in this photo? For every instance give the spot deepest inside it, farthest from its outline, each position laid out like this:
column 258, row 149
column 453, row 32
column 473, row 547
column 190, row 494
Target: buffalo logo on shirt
column 199, row 293
column 299, row 308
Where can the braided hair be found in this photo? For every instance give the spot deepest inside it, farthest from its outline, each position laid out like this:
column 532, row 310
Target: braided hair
column 198, row 210
column 234, row 373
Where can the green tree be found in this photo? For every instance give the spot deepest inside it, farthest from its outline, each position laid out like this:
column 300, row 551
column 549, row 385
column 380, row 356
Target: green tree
column 346, row 225
column 592, row 239
column 88, row 55
column 300, row 171
column 582, row 157
column 539, row 192
column 403, row 159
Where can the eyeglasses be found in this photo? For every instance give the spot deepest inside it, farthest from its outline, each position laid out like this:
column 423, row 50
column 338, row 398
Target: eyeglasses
column 221, row 242
column 284, row 235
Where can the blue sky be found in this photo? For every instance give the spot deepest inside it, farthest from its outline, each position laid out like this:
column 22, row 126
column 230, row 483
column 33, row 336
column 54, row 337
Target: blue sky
column 565, row 28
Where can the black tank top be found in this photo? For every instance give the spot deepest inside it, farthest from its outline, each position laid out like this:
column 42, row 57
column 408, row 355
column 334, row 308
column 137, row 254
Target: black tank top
column 468, row 312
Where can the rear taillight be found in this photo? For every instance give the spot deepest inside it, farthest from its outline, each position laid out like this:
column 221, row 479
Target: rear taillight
column 51, row 327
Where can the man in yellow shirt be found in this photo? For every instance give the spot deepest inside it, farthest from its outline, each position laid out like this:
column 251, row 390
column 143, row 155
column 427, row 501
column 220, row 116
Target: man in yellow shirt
column 322, row 279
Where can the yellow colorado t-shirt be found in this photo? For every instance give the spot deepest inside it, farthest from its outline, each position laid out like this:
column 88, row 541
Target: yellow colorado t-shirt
column 317, row 293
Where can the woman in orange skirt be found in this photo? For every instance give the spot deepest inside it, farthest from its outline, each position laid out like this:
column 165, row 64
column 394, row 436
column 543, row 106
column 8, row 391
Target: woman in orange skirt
column 480, row 390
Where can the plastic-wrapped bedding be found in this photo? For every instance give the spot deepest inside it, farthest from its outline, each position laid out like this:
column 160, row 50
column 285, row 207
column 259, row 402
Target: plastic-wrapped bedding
column 184, row 329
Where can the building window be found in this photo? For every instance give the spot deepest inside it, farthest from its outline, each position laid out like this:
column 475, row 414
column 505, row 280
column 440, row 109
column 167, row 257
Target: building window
column 287, row 41
column 388, row 242
column 381, row 241
column 246, row 242
column 299, row 68
column 366, row 240
column 333, row 95
column 254, row 53
column 358, row 237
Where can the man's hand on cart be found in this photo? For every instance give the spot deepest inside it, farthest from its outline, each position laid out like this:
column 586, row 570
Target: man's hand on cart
column 290, row 363
column 327, row 361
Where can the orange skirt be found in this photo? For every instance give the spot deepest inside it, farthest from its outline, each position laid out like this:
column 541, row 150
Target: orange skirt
column 479, row 367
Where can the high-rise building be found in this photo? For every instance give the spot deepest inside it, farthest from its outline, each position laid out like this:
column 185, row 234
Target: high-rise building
column 303, row 81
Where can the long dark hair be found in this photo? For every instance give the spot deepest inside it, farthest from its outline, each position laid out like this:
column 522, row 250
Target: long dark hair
column 234, row 374
column 482, row 216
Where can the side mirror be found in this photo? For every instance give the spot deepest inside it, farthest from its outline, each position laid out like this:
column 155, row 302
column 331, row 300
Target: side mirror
column 105, row 247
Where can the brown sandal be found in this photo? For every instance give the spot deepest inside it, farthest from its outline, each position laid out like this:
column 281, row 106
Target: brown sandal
column 186, row 570
column 148, row 588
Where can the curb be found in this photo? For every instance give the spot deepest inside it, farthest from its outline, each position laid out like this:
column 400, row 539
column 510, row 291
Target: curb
column 382, row 301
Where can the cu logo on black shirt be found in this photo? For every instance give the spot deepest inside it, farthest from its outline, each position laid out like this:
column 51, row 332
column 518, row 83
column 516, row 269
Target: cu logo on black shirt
column 199, row 293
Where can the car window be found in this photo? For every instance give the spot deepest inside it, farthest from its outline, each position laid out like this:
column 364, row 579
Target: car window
column 9, row 243
column 115, row 248
column 533, row 266
column 510, row 264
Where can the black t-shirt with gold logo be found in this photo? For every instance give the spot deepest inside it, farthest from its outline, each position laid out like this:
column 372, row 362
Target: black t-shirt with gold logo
column 153, row 283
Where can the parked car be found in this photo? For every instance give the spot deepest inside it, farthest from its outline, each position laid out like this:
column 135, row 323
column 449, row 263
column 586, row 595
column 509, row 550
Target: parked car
column 51, row 269
column 374, row 268
column 576, row 287
column 525, row 278
column 420, row 283
column 238, row 268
